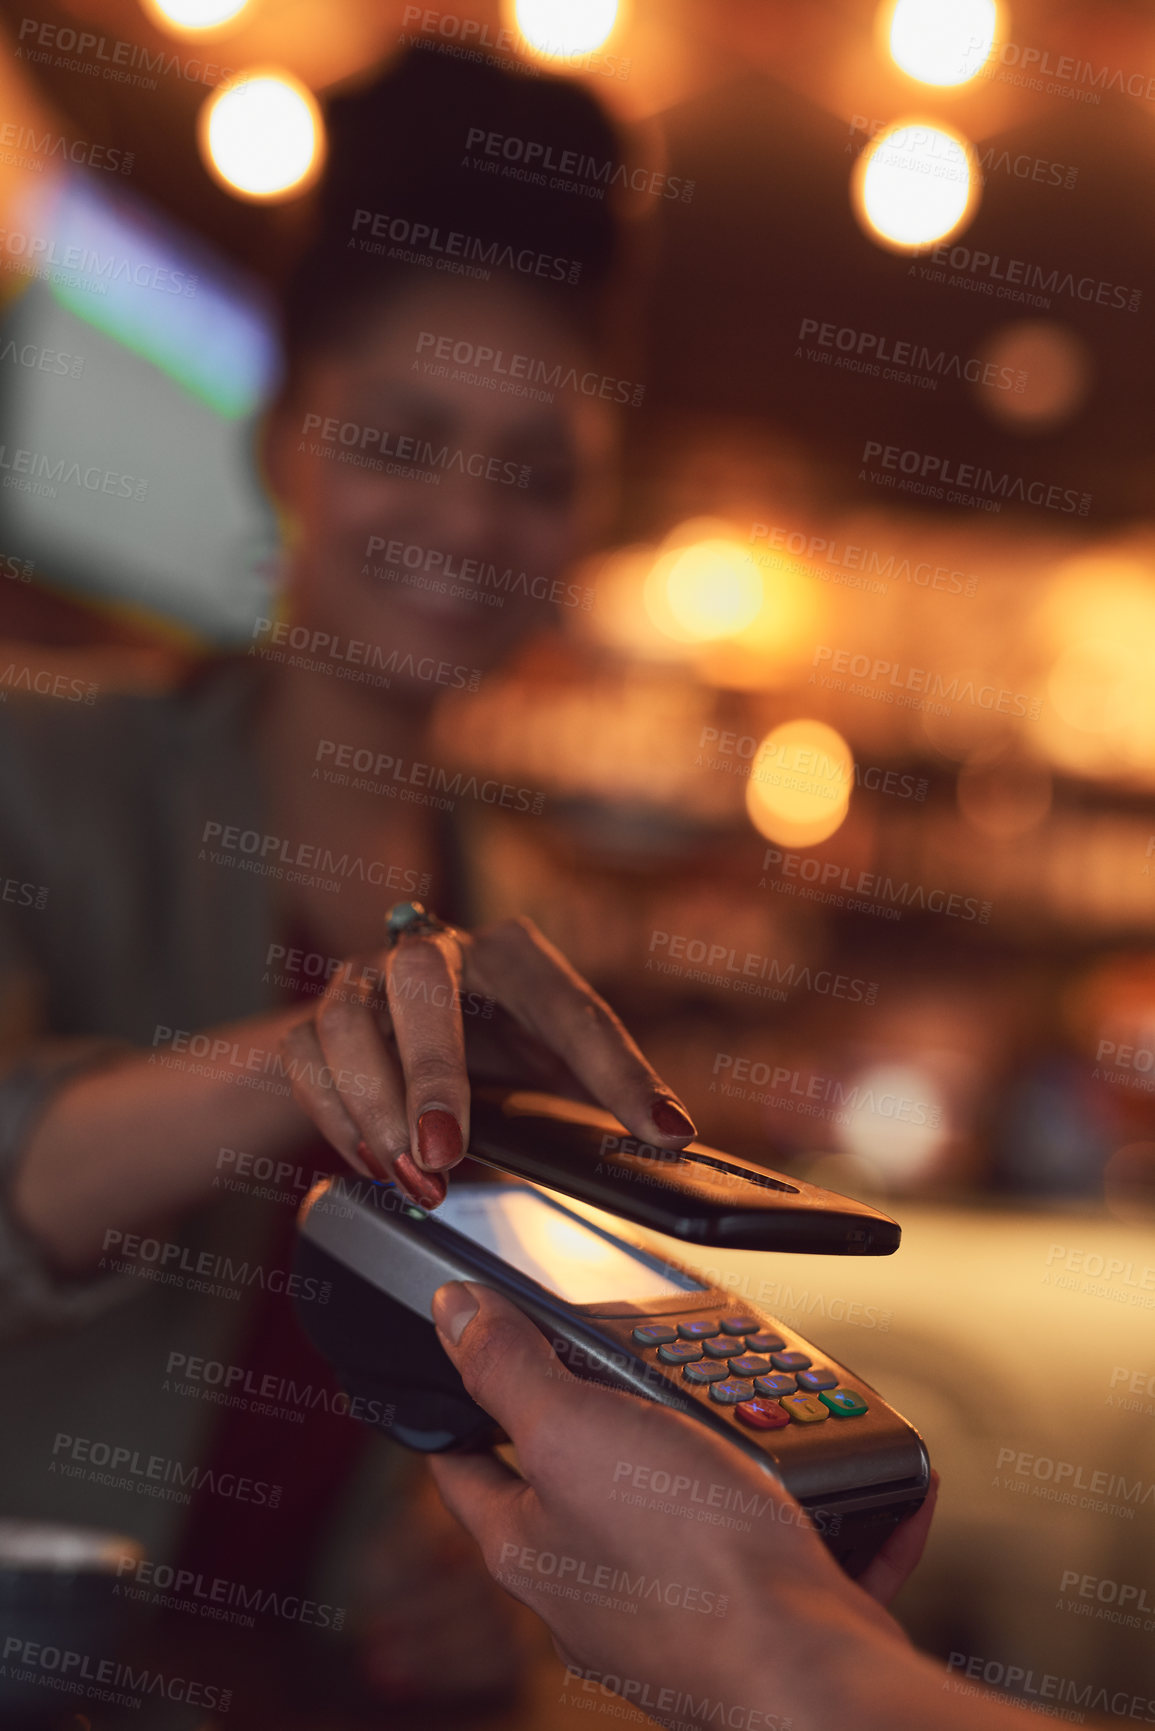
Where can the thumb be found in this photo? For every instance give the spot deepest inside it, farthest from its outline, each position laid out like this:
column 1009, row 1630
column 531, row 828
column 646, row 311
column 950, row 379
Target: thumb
column 506, row 1364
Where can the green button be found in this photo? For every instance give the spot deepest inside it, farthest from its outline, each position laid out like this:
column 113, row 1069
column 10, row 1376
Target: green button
column 843, row 1402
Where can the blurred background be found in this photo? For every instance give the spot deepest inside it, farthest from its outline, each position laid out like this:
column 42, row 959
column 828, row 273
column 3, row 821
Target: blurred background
column 860, row 683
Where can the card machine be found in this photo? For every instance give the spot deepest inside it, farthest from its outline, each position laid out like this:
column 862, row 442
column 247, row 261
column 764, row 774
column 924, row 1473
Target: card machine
column 615, row 1310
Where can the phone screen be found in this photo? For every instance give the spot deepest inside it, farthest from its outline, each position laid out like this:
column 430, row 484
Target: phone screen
column 571, row 1258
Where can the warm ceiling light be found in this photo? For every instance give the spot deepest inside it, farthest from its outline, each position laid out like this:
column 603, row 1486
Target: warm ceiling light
column 942, row 42
column 193, row 14
column 707, row 589
column 562, row 28
column 915, row 184
column 801, row 776
column 262, row 135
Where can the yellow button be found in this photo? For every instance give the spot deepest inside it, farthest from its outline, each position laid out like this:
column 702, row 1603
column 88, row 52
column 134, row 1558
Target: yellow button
column 804, row 1408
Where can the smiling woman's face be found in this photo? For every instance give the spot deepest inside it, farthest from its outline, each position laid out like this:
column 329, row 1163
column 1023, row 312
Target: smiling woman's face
column 425, row 489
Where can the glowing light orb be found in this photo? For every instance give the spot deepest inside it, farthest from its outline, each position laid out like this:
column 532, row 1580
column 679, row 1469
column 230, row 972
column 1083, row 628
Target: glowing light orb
column 561, row 28
column 915, row 184
column 801, row 778
column 942, row 42
column 262, row 136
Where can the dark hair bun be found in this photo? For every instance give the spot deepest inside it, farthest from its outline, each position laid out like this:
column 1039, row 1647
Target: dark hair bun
column 409, row 192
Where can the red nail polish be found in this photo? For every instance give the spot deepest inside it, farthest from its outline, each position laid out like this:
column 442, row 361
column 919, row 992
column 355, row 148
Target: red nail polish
column 367, row 1158
column 438, row 1139
column 669, row 1119
column 427, row 1189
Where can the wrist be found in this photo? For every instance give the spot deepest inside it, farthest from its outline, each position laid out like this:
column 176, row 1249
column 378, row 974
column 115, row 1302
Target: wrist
column 834, row 1658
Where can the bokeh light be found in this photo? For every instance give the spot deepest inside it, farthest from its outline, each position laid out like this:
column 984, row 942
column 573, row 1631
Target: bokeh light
column 194, row 15
column 801, row 779
column 708, row 589
column 893, row 1115
column 1097, row 623
column 916, row 183
column 562, row 28
column 1045, row 372
column 942, row 42
column 262, row 135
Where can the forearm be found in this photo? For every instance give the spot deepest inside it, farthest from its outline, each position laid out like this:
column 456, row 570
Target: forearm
column 133, row 1144
column 844, row 1671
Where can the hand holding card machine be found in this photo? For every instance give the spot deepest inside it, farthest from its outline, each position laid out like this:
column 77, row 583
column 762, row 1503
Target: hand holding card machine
column 615, row 1311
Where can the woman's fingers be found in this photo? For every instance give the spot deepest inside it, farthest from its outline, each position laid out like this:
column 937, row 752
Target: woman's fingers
column 371, row 1088
column 423, row 980
column 518, row 967
column 305, row 1062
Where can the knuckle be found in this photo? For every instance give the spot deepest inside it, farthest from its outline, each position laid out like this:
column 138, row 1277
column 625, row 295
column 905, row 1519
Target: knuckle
column 519, row 931
column 338, row 1016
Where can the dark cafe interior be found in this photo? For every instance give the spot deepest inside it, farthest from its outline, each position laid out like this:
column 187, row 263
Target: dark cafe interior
column 577, row 864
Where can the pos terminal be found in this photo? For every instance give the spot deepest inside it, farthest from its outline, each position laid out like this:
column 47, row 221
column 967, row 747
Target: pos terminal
column 615, row 1310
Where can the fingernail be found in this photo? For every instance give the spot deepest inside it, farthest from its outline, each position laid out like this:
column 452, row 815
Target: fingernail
column 454, row 1306
column 367, row 1158
column 438, row 1139
column 670, row 1119
column 427, row 1189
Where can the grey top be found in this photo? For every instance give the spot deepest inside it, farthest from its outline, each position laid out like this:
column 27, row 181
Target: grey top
column 102, row 814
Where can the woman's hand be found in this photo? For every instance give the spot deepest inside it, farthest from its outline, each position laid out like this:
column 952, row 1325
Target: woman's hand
column 603, row 1537
column 395, row 1030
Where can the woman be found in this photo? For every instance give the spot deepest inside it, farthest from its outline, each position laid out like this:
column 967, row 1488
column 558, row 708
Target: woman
column 161, row 941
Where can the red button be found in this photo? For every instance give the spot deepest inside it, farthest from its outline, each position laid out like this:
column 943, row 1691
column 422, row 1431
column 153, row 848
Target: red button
column 762, row 1414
